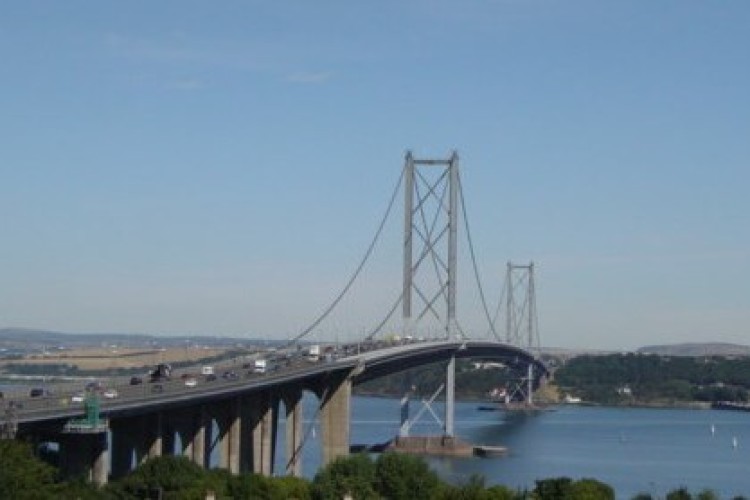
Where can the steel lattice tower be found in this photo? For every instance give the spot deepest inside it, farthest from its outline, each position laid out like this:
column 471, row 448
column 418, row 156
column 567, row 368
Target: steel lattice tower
column 521, row 328
column 430, row 241
column 431, row 227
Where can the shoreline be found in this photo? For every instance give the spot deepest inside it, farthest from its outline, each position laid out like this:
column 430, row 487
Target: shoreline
column 680, row 405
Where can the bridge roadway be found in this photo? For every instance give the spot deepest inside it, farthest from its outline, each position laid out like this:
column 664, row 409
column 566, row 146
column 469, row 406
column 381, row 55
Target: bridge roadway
column 366, row 365
column 145, row 423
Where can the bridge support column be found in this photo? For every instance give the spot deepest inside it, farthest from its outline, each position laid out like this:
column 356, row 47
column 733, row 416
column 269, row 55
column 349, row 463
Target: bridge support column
column 100, row 471
column 264, row 426
column 85, row 455
column 168, row 438
column 199, row 437
column 149, row 438
column 293, row 408
column 156, row 433
column 193, row 435
column 123, row 444
column 335, row 414
column 530, row 385
column 404, row 428
column 230, row 428
column 450, row 396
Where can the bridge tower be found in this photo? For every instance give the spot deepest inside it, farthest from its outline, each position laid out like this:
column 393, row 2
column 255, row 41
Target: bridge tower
column 521, row 327
column 430, row 248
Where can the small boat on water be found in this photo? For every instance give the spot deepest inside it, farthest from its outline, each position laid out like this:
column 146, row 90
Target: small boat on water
column 488, row 408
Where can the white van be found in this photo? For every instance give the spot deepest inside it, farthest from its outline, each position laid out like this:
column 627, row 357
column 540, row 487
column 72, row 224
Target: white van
column 207, row 370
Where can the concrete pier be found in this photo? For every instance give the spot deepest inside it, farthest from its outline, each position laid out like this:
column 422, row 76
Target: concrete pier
column 432, row 445
column 86, row 456
column 293, row 407
column 263, row 423
column 335, row 415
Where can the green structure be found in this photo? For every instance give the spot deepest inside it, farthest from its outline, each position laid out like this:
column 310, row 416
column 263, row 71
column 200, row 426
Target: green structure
column 91, row 422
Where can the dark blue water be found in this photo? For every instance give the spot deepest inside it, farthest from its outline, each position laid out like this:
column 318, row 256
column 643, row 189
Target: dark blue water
column 633, row 450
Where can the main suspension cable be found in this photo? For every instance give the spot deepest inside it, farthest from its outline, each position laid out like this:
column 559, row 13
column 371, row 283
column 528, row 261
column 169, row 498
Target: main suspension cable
column 497, row 309
column 354, row 276
column 474, row 260
column 377, row 329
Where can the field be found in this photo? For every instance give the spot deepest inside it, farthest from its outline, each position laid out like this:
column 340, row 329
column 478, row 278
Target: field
column 102, row 358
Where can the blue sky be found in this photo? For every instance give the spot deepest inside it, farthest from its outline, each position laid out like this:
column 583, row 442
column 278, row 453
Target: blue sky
column 220, row 168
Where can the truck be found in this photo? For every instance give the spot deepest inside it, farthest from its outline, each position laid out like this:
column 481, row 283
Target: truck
column 161, row 373
column 313, row 353
column 260, row 366
column 207, row 370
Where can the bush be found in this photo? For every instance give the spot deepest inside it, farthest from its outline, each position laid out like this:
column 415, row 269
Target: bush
column 174, row 477
column 679, row 494
column 22, row 475
column 553, row 489
column 564, row 488
column 591, row 489
column 353, row 475
column 400, row 476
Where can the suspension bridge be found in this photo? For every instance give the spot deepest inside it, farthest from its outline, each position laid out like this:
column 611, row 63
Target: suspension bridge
column 237, row 418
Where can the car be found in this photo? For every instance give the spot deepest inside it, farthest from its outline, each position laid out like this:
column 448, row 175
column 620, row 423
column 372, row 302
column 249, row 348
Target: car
column 229, row 375
column 191, row 382
column 78, row 397
column 136, row 380
column 37, row 392
column 110, row 393
column 157, row 388
column 94, row 386
column 210, row 378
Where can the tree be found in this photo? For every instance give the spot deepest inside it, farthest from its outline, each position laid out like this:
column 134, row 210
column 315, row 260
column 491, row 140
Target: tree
column 173, row 477
column 268, row 488
column 591, row 489
column 707, row 495
column 288, row 487
column 679, row 494
column 474, row 489
column 79, row 489
column 22, row 475
column 499, row 492
column 353, row 475
column 553, row 489
column 400, row 476
column 250, row 486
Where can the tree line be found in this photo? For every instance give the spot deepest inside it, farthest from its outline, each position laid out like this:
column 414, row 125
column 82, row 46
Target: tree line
column 643, row 378
column 391, row 476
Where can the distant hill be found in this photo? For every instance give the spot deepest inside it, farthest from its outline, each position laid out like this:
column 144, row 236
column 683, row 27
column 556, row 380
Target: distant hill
column 697, row 349
column 28, row 337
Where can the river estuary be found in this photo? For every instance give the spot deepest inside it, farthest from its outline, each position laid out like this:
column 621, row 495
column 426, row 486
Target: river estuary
column 632, row 449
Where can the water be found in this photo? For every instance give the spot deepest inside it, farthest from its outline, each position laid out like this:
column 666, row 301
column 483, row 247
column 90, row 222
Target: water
column 633, row 450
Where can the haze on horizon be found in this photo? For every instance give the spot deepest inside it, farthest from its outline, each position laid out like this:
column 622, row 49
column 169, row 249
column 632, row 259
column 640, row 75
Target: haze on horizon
column 193, row 168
